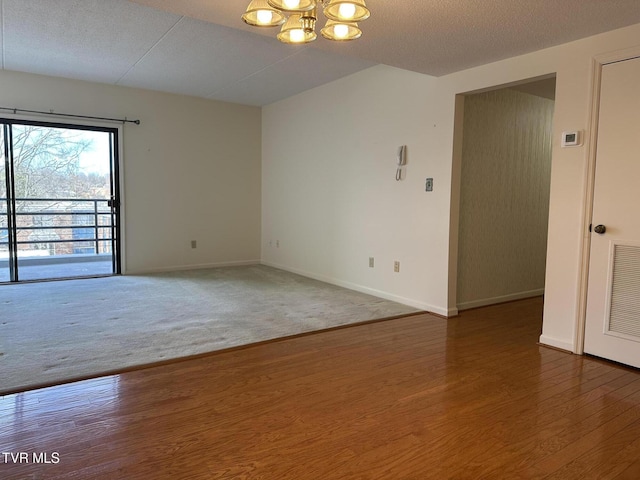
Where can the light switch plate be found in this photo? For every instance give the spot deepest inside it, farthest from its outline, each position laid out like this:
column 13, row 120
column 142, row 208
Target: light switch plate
column 429, row 185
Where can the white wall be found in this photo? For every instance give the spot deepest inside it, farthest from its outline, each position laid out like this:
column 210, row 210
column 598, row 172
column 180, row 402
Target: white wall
column 329, row 195
column 191, row 169
column 330, row 198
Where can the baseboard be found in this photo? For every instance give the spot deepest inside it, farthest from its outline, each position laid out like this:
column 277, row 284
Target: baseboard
column 501, row 299
column 555, row 343
column 201, row 266
column 362, row 289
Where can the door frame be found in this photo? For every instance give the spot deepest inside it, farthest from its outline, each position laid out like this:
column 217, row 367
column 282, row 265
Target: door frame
column 456, row 182
column 591, row 144
column 117, row 167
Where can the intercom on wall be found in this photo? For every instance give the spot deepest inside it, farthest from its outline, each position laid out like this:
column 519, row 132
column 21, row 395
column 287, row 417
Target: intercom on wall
column 402, row 155
column 401, row 161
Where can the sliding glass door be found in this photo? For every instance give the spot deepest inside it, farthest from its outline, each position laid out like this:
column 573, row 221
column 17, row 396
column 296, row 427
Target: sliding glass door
column 5, row 274
column 60, row 206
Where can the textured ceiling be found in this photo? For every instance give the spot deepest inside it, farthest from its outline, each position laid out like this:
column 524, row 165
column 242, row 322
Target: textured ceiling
column 437, row 37
column 202, row 48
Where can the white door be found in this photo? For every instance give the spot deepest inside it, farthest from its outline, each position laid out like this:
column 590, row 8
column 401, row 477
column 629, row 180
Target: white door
column 612, row 328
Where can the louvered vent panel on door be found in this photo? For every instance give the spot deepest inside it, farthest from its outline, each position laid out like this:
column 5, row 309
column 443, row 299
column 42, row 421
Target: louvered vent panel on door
column 625, row 291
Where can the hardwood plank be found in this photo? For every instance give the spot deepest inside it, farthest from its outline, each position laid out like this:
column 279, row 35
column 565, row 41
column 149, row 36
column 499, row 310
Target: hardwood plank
column 415, row 397
column 631, row 472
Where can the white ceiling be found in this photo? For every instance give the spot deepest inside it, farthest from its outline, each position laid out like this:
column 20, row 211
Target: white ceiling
column 202, row 48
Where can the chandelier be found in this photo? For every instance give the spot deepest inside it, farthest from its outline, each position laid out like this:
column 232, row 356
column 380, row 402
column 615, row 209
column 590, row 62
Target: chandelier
column 298, row 18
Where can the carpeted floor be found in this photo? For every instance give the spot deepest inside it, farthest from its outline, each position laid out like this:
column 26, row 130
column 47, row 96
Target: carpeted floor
column 58, row 331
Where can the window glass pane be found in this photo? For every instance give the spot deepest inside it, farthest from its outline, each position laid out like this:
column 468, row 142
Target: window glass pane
column 62, row 186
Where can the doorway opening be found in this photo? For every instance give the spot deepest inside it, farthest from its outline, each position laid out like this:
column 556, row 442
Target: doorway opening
column 504, row 151
column 59, row 201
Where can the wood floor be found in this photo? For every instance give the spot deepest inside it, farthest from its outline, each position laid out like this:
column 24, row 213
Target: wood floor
column 413, row 398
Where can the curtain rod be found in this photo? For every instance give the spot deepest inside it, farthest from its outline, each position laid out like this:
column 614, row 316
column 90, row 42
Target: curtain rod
column 119, row 120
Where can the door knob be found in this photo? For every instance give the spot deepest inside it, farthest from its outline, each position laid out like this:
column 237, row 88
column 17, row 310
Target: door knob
column 600, row 229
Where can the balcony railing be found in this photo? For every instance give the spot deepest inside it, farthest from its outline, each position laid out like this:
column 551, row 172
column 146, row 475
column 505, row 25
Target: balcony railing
column 58, row 226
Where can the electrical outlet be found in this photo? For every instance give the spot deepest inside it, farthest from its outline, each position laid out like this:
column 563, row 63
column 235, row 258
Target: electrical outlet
column 371, row 261
column 396, row 266
column 194, row 244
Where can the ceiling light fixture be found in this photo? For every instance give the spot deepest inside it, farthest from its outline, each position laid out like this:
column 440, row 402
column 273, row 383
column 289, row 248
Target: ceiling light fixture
column 298, row 18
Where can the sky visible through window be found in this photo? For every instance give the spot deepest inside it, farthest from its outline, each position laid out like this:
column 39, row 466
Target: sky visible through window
column 97, row 157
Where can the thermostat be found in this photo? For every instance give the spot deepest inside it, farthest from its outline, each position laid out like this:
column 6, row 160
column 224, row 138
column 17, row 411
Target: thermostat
column 571, row 139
